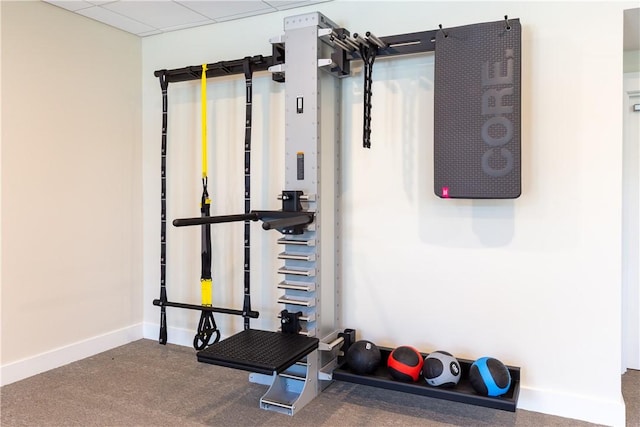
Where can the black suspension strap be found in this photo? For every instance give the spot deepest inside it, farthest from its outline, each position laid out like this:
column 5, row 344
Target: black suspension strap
column 164, row 84
column 246, row 307
column 207, row 329
column 368, row 54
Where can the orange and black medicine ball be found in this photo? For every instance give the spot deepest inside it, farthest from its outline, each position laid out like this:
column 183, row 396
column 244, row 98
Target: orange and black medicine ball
column 405, row 363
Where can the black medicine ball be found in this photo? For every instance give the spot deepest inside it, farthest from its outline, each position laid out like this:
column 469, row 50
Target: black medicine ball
column 363, row 357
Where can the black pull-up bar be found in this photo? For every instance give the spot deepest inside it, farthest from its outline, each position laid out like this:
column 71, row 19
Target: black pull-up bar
column 251, row 314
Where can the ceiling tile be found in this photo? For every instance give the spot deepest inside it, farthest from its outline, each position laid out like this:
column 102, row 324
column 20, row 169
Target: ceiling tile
column 157, row 14
column 290, row 4
column 150, row 33
column 70, row 5
column 183, row 26
column 244, row 15
column 219, row 10
column 149, row 17
column 115, row 20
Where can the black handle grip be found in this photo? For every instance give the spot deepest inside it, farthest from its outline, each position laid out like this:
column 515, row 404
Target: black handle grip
column 270, row 224
column 183, row 222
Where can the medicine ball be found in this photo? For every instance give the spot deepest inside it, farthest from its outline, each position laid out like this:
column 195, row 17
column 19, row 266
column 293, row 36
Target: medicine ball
column 489, row 377
column 363, row 357
column 441, row 369
column 405, row 363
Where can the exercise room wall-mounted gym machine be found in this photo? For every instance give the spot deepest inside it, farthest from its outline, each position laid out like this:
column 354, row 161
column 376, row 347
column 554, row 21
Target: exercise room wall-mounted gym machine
column 476, row 155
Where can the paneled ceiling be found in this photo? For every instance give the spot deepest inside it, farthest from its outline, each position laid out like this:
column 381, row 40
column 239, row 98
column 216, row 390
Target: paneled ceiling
column 149, row 17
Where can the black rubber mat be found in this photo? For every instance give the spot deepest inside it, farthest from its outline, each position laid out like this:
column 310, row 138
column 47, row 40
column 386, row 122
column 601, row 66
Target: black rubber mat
column 477, row 111
column 263, row 352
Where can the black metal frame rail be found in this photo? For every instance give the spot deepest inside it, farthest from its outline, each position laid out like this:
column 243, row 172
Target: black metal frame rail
column 399, row 44
column 405, row 44
column 217, row 69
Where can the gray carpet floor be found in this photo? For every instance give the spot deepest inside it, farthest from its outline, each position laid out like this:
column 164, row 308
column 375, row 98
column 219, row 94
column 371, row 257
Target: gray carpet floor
column 146, row 384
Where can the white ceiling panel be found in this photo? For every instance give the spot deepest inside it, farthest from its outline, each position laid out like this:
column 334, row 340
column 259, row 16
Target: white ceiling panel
column 282, row 5
column 218, row 10
column 150, row 17
column 150, row 33
column 71, row 5
column 115, row 20
column 156, row 14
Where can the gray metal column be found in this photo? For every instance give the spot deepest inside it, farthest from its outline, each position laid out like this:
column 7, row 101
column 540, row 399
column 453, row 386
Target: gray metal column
column 310, row 272
column 312, row 109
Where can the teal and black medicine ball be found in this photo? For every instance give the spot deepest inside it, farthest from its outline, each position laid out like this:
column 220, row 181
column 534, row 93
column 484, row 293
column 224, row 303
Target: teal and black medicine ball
column 489, row 377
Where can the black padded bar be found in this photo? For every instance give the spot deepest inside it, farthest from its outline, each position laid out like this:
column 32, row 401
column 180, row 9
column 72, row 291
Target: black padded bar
column 269, row 215
column 263, row 352
column 251, row 314
column 288, row 218
column 183, row 222
column 217, row 69
column 292, row 221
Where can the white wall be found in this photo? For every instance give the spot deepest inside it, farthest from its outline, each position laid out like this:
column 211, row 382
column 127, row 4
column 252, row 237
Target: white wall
column 71, row 188
column 533, row 281
column 1, row 186
column 631, row 225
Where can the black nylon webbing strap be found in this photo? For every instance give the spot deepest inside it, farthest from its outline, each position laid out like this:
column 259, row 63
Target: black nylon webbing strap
column 205, row 239
column 477, row 111
column 246, row 307
column 368, row 54
column 207, row 332
column 164, row 84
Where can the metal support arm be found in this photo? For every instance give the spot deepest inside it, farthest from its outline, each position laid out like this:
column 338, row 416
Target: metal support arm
column 278, row 220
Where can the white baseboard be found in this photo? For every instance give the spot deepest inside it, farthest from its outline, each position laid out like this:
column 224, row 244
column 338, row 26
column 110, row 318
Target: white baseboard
column 178, row 336
column 578, row 407
column 21, row 369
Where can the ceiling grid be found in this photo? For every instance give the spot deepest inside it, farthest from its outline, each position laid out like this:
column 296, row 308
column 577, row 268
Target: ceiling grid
column 146, row 18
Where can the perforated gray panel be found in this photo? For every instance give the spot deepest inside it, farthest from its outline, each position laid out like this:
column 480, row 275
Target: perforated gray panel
column 477, row 111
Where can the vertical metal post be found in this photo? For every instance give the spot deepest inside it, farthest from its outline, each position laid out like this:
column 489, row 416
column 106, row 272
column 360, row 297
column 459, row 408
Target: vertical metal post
column 312, row 112
column 312, row 165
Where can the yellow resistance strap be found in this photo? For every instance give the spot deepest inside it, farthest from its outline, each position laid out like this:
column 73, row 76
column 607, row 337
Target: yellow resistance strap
column 205, row 283
column 203, row 102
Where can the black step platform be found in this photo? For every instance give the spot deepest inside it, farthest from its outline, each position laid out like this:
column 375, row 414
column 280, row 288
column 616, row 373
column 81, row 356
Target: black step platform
column 263, row 352
column 462, row 392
